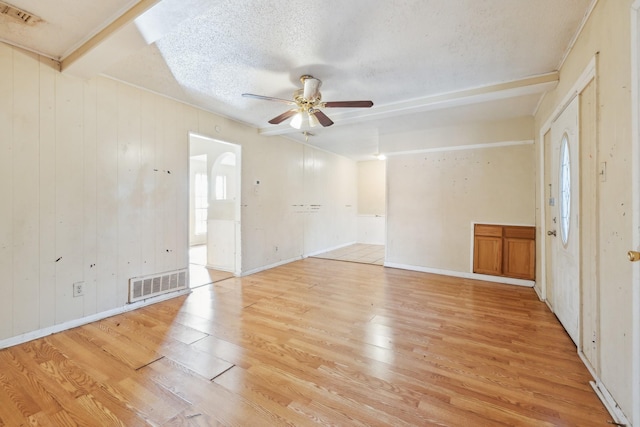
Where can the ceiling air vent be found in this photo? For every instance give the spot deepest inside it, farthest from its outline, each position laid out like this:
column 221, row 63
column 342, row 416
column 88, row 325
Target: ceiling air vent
column 18, row 14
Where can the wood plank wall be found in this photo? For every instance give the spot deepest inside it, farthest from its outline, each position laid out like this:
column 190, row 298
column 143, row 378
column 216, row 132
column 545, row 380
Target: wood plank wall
column 86, row 191
column 94, row 188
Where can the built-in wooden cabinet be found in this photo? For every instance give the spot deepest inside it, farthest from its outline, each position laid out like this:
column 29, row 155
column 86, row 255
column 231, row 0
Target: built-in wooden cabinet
column 505, row 250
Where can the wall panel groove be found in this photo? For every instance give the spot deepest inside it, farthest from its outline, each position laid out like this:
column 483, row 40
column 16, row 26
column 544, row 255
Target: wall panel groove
column 94, row 189
column 6, row 189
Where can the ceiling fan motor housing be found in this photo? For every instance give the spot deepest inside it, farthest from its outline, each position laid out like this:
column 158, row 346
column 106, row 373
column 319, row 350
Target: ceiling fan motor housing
column 309, row 100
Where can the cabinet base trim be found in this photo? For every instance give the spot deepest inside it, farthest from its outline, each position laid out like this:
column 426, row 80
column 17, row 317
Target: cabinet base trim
column 464, row 275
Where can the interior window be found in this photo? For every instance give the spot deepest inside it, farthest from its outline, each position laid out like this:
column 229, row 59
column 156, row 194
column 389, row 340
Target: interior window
column 221, row 187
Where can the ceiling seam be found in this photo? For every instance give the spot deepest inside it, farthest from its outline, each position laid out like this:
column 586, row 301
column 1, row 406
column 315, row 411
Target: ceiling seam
column 585, row 18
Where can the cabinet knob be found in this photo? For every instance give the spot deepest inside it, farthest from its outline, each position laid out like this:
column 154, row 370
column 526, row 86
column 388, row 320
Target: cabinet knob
column 633, row 256
column 551, row 233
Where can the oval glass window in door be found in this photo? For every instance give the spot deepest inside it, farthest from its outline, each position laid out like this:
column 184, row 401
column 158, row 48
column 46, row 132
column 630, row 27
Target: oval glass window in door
column 565, row 189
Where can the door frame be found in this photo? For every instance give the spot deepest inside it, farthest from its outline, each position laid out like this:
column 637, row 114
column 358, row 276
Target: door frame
column 587, row 76
column 635, row 189
column 237, row 150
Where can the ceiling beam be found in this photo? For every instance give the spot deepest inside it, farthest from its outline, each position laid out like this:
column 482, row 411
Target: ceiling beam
column 99, row 38
column 522, row 87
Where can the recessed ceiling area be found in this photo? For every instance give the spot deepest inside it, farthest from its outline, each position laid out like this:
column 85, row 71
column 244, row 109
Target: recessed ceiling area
column 424, row 63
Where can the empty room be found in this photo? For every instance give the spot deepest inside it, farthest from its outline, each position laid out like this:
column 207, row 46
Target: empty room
column 256, row 213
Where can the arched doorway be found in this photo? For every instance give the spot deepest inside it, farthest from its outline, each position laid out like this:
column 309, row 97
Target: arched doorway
column 214, row 210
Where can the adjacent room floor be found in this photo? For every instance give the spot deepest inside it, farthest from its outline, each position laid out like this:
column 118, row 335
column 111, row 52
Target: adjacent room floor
column 199, row 274
column 359, row 252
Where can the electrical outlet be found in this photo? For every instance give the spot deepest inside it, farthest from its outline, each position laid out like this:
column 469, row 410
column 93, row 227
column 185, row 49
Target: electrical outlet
column 78, row 289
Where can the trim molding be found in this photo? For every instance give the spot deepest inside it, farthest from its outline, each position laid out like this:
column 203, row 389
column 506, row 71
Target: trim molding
column 463, row 275
column 30, row 336
column 588, row 74
column 463, row 147
column 585, row 18
column 267, row 267
column 635, row 190
column 329, row 249
column 123, row 19
column 603, row 394
column 537, row 84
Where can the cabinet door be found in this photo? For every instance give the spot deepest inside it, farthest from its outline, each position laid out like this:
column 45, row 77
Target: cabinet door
column 519, row 258
column 487, row 257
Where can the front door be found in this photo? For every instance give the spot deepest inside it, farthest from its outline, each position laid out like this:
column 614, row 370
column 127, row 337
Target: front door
column 563, row 205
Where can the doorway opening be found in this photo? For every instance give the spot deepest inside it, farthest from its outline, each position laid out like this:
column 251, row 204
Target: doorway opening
column 214, row 210
column 369, row 247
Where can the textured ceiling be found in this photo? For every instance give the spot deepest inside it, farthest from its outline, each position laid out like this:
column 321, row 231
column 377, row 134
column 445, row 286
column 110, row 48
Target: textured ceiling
column 398, row 53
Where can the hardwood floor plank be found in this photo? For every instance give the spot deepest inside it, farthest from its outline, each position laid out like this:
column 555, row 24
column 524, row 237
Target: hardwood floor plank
column 313, row 342
column 119, row 345
column 115, row 384
column 23, row 386
column 209, row 400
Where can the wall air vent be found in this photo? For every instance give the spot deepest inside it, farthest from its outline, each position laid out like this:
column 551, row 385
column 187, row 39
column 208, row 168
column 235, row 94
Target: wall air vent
column 157, row 284
column 18, row 14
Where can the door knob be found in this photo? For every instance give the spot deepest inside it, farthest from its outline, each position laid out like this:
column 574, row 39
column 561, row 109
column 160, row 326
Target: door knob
column 551, row 233
column 633, row 256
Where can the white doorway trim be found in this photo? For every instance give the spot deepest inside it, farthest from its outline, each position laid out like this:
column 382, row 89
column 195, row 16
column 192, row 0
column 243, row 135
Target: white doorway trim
column 635, row 189
column 236, row 149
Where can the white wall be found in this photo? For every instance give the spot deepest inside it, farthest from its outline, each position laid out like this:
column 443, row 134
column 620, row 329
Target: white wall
column 607, row 35
column 330, row 200
column 435, row 197
column 372, row 192
column 372, row 197
column 196, row 166
column 94, row 187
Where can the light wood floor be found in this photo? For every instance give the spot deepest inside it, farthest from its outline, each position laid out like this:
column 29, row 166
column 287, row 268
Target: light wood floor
column 312, row 342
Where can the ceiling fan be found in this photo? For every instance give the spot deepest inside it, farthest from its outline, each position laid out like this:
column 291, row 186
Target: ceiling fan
column 308, row 102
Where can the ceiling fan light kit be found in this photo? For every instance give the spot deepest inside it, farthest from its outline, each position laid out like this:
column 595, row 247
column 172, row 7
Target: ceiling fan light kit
column 308, row 101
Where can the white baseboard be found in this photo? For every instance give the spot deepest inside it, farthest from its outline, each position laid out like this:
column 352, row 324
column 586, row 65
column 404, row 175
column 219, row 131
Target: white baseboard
column 463, row 275
column 538, row 293
column 298, row 258
column 609, row 403
column 33, row 335
column 328, row 249
column 603, row 394
column 220, row 268
column 270, row 266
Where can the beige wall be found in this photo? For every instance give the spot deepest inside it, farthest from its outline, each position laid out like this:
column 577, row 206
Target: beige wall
column 94, row 188
column 371, row 188
column 608, row 32
column 434, row 197
column 485, row 132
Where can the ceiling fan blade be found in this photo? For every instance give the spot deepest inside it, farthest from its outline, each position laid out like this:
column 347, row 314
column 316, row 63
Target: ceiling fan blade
column 282, row 117
column 349, row 104
column 322, row 117
column 269, row 98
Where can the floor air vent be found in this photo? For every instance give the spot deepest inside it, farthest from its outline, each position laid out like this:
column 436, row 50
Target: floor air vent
column 150, row 286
